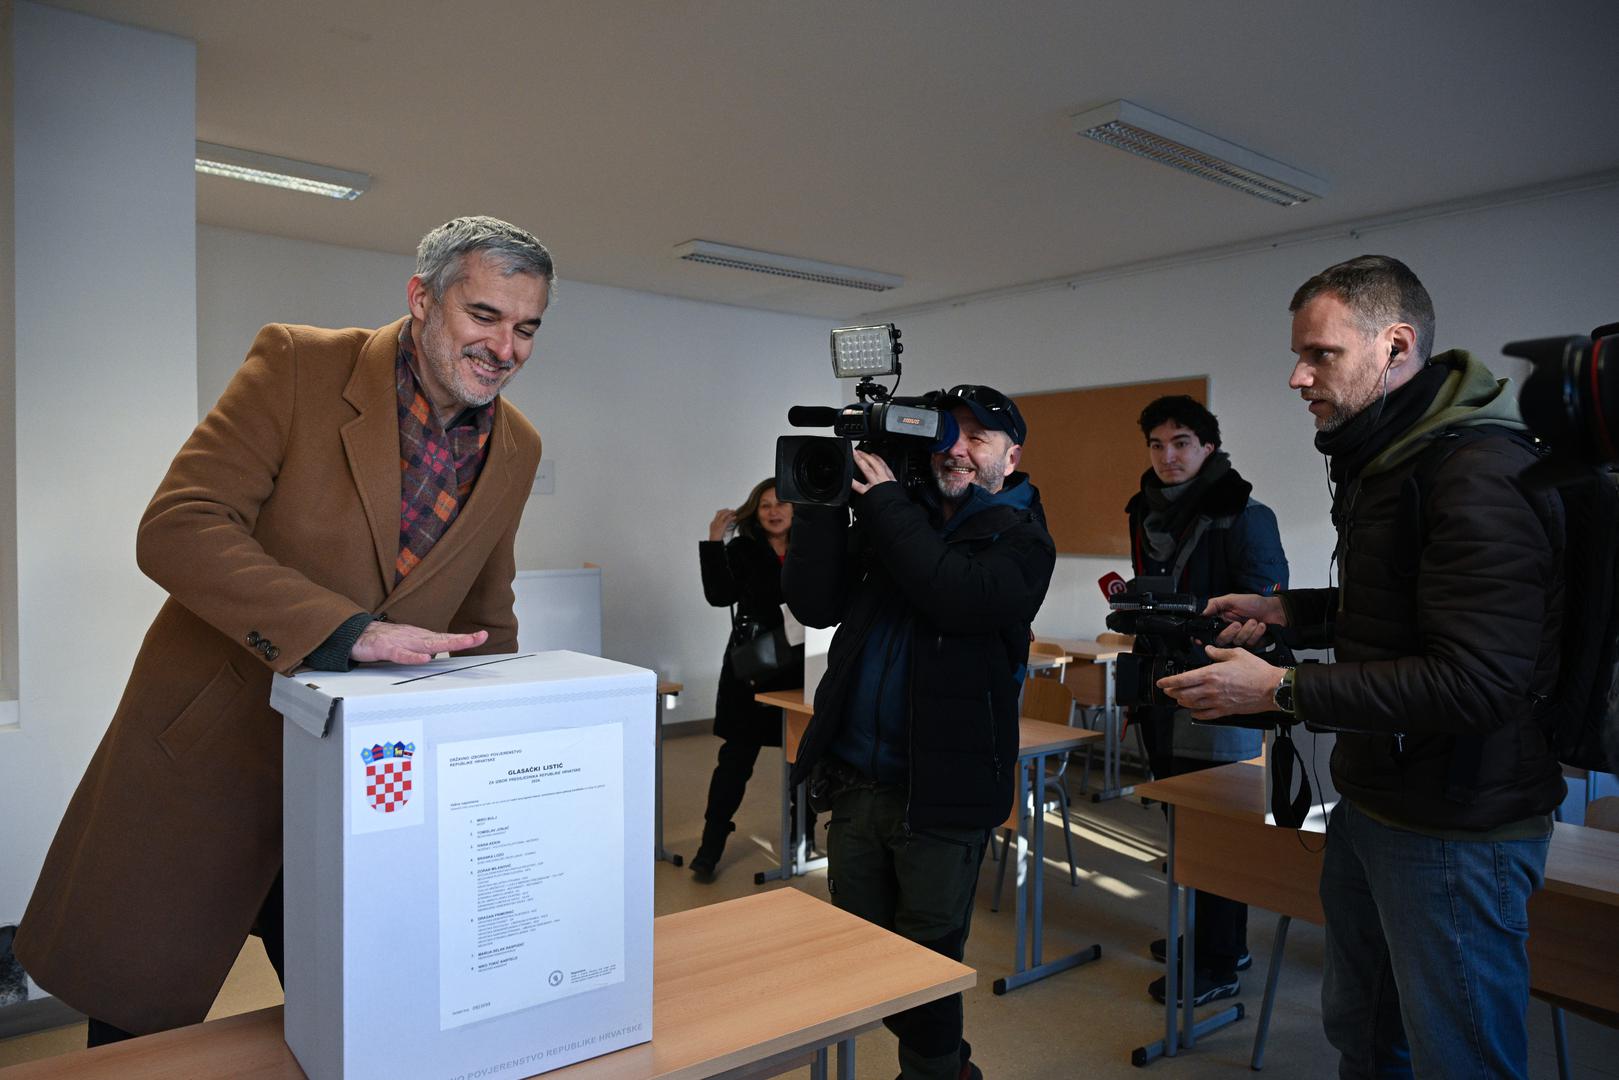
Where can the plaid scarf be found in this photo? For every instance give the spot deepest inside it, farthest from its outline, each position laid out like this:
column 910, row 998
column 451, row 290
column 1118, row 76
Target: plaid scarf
column 438, row 465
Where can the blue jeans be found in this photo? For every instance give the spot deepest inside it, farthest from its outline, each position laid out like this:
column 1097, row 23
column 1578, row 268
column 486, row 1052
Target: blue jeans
column 1426, row 970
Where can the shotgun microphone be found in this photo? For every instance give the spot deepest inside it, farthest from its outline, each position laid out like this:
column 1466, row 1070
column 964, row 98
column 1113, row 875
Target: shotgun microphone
column 812, row 416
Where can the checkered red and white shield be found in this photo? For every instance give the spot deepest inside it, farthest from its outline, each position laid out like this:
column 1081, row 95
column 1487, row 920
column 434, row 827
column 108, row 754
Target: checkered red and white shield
column 387, row 784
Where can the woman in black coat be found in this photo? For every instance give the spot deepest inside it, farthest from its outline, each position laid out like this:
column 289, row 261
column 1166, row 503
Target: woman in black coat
column 745, row 572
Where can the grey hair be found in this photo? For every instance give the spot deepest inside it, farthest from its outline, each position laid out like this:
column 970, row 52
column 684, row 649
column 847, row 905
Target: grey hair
column 1380, row 291
column 441, row 256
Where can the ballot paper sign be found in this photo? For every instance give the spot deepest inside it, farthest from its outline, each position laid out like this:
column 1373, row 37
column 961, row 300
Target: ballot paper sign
column 467, row 888
column 522, row 821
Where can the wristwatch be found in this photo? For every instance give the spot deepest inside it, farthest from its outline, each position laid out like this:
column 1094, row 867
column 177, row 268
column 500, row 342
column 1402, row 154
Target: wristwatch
column 1283, row 695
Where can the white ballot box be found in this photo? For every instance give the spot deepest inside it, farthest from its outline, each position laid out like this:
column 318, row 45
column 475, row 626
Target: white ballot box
column 467, row 887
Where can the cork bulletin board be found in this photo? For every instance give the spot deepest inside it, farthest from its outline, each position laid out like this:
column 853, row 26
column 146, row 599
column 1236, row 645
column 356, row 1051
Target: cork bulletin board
column 1086, row 455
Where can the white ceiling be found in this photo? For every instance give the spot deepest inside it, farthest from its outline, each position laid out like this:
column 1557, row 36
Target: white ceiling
column 926, row 138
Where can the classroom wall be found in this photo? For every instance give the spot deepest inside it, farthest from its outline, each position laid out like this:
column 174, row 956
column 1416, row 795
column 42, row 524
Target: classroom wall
column 8, row 385
column 1529, row 269
column 104, row 269
column 654, row 412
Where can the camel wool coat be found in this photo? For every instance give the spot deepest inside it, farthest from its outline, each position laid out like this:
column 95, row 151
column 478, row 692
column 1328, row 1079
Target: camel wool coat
column 277, row 522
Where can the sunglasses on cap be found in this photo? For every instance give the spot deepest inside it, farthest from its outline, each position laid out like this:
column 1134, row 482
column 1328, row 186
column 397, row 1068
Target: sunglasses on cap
column 993, row 409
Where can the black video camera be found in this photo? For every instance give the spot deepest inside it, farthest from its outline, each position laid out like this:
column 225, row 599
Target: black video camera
column 1170, row 631
column 904, row 431
column 1571, row 398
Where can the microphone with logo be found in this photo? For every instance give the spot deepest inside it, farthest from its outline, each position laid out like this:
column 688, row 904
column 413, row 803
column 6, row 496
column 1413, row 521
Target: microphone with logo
column 1112, row 584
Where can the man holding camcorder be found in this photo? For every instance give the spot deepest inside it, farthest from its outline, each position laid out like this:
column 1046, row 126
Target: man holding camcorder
column 1445, row 626
column 914, row 740
column 1195, row 522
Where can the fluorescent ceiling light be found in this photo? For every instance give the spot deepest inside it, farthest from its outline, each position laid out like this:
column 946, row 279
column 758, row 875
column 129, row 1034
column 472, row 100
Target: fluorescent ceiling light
column 289, row 173
column 788, row 266
column 1127, row 126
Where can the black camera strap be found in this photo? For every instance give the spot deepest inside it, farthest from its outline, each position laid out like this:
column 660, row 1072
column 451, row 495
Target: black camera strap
column 1287, row 807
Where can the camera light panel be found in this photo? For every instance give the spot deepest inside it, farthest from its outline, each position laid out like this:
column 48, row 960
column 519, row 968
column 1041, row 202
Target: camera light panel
column 858, row 351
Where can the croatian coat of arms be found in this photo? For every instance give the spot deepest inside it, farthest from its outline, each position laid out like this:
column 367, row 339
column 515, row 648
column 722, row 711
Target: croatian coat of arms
column 387, row 775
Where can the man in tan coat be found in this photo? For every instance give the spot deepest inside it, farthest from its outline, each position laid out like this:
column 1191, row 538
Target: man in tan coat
column 354, row 496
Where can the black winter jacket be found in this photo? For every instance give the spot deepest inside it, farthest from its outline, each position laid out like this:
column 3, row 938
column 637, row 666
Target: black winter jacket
column 1444, row 634
column 745, row 572
column 966, row 599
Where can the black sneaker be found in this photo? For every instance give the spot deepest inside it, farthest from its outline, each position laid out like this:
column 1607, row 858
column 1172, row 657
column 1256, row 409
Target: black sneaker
column 1244, row 962
column 1205, row 988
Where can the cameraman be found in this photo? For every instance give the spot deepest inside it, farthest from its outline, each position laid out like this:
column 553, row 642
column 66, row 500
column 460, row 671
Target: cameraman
column 915, row 735
column 1194, row 522
column 1446, row 629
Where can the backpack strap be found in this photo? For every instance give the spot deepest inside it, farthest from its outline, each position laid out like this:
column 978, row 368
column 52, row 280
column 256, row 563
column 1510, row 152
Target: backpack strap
column 1410, row 525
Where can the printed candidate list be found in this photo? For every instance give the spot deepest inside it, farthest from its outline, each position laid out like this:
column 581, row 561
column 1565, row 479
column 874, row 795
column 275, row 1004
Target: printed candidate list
column 531, row 873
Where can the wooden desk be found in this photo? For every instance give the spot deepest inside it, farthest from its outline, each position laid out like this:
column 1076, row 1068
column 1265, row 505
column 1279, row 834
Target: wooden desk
column 1218, row 840
column 741, row 988
column 1037, row 742
column 666, row 689
column 1574, row 919
column 1088, row 672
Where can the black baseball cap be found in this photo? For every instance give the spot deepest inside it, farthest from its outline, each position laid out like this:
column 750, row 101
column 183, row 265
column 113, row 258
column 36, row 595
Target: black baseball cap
column 992, row 408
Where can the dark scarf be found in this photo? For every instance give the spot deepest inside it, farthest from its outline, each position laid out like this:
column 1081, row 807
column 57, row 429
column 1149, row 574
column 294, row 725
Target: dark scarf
column 1172, row 509
column 1369, row 432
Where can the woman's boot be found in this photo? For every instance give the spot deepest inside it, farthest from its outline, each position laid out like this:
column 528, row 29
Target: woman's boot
column 708, row 852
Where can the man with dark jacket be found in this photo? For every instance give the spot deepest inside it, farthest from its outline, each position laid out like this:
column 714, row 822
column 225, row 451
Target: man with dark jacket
column 914, row 737
column 1445, row 627
column 1195, row 522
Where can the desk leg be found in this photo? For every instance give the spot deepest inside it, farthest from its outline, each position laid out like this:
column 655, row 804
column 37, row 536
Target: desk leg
column 1020, row 881
column 658, row 851
column 1171, row 952
column 818, row 1064
column 1031, row 896
column 1271, row 981
column 1182, row 969
column 1036, row 877
column 1191, row 1032
column 784, row 871
column 1114, row 733
column 1188, row 969
column 802, row 863
column 846, row 1059
column 1112, row 742
column 1169, row 1045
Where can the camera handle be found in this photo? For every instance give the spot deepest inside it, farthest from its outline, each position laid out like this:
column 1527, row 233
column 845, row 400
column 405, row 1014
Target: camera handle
column 868, row 389
column 1269, row 648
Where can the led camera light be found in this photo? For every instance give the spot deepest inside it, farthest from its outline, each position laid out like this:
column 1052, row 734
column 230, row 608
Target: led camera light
column 859, row 351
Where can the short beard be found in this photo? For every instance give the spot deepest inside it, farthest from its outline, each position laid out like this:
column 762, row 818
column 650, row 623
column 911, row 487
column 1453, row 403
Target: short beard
column 1342, row 414
column 1333, row 421
column 438, row 355
column 993, row 474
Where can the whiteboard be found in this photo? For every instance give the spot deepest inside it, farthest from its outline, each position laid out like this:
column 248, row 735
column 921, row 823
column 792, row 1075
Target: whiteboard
column 559, row 609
